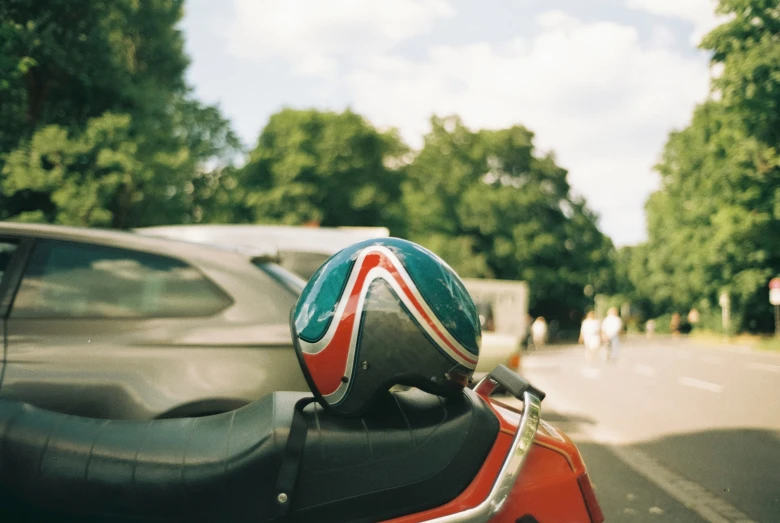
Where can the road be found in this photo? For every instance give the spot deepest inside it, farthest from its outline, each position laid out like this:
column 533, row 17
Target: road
column 672, row 431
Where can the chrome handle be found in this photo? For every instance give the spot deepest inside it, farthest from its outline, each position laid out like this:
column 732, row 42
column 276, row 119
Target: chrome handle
column 510, row 470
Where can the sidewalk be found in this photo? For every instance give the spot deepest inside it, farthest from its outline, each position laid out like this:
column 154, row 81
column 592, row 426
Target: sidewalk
column 737, row 344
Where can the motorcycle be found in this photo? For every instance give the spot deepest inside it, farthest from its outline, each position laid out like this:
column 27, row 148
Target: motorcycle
column 415, row 457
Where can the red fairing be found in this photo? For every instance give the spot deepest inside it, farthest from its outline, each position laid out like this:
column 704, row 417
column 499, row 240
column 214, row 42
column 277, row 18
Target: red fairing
column 548, row 487
column 479, row 489
column 552, row 487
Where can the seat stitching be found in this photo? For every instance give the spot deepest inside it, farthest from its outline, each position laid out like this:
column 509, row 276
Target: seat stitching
column 368, row 439
column 92, row 448
column 445, row 415
column 319, row 434
column 229, row 436
column 141, row 442
column 408, row 425
column 45, row 447
column 184, row 455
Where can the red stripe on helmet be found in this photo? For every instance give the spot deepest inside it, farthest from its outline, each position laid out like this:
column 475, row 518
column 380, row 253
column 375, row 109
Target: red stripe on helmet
column 328, row 366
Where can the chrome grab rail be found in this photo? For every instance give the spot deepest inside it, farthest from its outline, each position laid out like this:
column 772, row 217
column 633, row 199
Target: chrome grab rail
column 505, row 480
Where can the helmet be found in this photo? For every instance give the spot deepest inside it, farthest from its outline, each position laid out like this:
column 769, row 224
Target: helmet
column 379, row 313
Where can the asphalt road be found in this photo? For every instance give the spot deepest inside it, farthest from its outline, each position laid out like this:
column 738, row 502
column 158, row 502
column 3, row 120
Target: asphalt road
column 672, row 431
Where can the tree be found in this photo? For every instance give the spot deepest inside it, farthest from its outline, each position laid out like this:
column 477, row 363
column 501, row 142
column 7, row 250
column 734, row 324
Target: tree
column 67, row 61
column 100, row 176
column 492, row 207
column 714, row 225
column 98, row 77
column 323, row 167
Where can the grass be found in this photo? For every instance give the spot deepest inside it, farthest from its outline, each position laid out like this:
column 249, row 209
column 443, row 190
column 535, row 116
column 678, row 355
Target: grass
column 766, row 342
column 770, row 344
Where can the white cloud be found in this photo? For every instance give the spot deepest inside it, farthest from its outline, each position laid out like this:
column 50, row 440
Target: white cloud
column 314, row 34
column 700, row 12
column 590, row 91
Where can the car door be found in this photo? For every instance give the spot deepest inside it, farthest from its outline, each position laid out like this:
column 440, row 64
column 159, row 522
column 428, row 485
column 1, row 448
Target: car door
column 90, row 329
column 12, row 253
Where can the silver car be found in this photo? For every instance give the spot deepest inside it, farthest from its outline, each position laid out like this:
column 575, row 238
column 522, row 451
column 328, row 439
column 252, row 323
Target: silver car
column 111, row 324
column 303, row 249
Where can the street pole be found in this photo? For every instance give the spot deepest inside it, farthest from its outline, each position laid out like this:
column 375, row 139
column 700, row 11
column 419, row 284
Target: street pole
column 777, row 320
column 774, row 299
column 725, row 304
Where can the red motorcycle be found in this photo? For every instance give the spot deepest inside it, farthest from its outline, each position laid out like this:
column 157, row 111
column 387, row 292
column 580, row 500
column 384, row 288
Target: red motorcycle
column 415, row 457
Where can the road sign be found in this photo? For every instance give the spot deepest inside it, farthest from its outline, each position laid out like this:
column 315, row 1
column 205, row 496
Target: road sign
column 774, row 291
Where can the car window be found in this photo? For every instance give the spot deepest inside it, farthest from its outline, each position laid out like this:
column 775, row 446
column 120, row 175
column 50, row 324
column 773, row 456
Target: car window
column 66, row 279
column 290, row 281
column 7, row 249
column 304, row 264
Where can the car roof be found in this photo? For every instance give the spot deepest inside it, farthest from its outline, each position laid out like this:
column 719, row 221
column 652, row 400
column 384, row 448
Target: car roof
column 125, row 239
column 276, row 238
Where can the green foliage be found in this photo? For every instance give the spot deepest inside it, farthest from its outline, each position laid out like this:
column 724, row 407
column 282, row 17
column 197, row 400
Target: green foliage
column 97, row 125
column 102, row 176
column 323, row 167
column 66, row 61
column 79, row 174
column 714, row 225
column 492, row 207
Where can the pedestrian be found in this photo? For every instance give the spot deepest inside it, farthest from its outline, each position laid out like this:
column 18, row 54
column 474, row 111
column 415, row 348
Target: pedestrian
column 590, row 335
column 674, row 325
column 610, row 329
column 539, row 332
column 650, row 328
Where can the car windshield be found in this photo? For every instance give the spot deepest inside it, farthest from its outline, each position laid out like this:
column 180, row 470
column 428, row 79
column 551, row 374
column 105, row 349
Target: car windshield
column 281, row 275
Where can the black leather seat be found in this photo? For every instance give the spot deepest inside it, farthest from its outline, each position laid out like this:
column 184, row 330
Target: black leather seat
column 414, row 451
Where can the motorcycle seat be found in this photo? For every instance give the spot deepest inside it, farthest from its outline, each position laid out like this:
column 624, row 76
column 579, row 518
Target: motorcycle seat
column 413, row 452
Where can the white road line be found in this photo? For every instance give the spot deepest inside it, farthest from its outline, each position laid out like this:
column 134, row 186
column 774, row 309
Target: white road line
column 762, row 366
column 713, row 360
column 710, row 507
column 699, row 384
column 590, row 373
column 644, row 370
column 692, row 495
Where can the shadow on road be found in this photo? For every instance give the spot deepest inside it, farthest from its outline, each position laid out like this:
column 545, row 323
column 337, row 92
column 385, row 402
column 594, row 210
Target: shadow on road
column 569, row 420
column 751, row 484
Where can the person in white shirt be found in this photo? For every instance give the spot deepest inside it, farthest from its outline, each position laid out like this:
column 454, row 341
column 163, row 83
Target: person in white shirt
column 610, row 328
column 539, row 332
column 590, row 335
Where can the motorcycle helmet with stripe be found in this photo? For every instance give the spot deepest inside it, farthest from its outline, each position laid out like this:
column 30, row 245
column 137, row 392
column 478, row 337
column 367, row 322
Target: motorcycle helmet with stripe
column 379, row 313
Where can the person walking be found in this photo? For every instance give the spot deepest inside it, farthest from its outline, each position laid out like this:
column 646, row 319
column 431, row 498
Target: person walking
column 650, row 328
column 590, row 335
column 539, row 332
column 610, row 329
column 674, row 325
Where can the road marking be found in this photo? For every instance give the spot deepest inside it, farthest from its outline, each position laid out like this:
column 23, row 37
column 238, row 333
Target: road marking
column 644, row 370
column 699, row 384
column 590, row 373
column 710, row 507
column 713, row 360
column 692, row 495
column 762, row 366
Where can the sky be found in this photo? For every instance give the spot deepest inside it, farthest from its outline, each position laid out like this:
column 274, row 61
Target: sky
column 600, row 83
